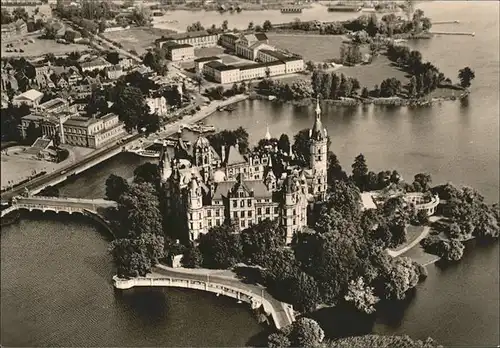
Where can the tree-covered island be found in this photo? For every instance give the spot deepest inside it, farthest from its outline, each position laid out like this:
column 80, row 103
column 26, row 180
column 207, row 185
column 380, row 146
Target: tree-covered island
column 340, row 259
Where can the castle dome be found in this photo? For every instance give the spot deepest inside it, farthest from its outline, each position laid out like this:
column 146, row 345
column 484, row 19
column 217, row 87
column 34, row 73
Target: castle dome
column 219, row 176
column 201, row 142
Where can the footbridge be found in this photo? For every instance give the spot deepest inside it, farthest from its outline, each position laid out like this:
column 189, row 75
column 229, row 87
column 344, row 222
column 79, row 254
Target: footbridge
column 281, row 313
column 56, row 204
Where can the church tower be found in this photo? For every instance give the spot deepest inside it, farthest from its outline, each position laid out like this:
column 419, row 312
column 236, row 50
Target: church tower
column 318, row 154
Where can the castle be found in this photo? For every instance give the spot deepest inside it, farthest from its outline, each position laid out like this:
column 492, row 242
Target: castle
column 204, row 188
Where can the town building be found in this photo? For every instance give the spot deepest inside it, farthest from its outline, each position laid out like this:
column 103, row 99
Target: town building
column 228, row 40
column 179, row 52
column 114, row 72
column 221, row 72
column 249, row 45
column 14, row 29
column 96, row 64
column 204, row 188
column 196, row 39
column 157, row 106
column 31, row 98
column 200, row 62
column 54, row 106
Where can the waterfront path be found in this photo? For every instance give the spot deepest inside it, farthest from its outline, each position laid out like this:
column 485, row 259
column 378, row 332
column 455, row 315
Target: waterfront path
column 282, row 313
column 414, row 242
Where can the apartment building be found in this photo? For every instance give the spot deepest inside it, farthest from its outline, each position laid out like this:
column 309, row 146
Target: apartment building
column 200, row 62
column 179, row 52
column 196, row 39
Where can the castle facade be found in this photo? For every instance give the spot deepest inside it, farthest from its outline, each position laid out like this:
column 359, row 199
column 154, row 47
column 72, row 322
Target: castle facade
column 205, row 188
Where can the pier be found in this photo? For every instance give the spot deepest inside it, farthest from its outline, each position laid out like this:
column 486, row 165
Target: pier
column 463, row 33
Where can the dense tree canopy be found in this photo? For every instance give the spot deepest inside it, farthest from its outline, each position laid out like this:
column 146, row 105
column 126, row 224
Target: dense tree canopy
column 115, row 187
column 220, row 247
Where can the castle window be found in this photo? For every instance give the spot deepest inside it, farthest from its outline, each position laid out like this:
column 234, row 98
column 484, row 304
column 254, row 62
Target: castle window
column 199, row 225
column 209, row 213
column 268, row 210
column 242, row 223
column 217, row 222
column 190, row 225
column 209, row 223
column 242, row 203
column 217, row 213
column 260, row 220
column 190, row 216
column 235, row 214
column 235, row 204
column 294, row 212
column 242, row 214
column 242, row 194
column 259, row 211
column 294, row 221
column 276, row 210
column 250, row 213
column 249, row 202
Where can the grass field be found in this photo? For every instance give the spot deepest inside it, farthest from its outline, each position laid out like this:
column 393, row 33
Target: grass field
column 41, row 47
column 373, row 74
column 317, row 48
column 138, row 39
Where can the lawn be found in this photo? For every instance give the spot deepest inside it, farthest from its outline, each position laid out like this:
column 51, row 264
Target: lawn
column 41, row 47
column 138, row 39
column 317, row 48
column 374, row 73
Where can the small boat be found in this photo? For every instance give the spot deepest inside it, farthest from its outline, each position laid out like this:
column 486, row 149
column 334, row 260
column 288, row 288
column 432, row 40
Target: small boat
column 221, row 108
column 230, row 108
column 271, row 97
column 200, row 128
column 145, row 153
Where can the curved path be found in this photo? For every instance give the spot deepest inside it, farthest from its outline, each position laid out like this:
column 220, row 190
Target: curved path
column 281, row 312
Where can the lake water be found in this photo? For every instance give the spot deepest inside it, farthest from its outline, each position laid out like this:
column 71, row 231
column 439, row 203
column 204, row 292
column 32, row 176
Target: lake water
column 56, row 287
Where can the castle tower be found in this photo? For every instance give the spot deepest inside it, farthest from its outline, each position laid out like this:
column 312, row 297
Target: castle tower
column 268, row 134
column 195, row 209
column 318, row 154
column 203, row 157
column 270, row 178
column 165, row 165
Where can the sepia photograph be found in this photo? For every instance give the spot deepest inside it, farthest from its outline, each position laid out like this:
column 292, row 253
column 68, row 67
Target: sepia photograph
column 250, row 173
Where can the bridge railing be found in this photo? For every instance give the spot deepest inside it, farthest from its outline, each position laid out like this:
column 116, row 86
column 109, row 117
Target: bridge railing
column 64, row 199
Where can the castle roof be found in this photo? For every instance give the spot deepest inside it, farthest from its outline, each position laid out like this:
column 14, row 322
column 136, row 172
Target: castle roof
column 234, row 157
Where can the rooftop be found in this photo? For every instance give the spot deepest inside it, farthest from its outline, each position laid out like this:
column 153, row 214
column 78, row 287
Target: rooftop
column 96, row 62
column 253, row 66
column 31, row 94
column 275, row 54
column 180, row 36
column 53, row 103
column 206, row 59
column 80, row 121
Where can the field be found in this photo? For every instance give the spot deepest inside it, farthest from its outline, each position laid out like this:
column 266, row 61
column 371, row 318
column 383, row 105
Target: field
column 317, row 48
column 39, row 47
column 373, row 74
column 138, row 39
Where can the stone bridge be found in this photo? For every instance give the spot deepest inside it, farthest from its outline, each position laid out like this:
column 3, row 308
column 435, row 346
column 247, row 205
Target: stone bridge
column 57, row 204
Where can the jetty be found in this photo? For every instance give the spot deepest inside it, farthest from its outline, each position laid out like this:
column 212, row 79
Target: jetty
column 464, row 33
column 456, row 21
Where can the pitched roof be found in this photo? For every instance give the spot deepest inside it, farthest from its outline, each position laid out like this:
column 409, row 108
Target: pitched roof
column 222, row 189
column 261, row 36
column 31, row 94
column 189, row 34
column 258, row 188
column 206, row 59
column 234, row 157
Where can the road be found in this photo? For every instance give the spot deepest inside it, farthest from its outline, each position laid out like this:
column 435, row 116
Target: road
column 278, row 306
column 68, row 170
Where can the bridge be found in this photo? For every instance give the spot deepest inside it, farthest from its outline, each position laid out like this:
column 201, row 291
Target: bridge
column 281, row 313
column 88, row 207
column 36, row 185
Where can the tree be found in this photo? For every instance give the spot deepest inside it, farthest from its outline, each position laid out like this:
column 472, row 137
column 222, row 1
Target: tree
column 383, row 341
column 310, row 65
column 423, row 181
column 33, row 132
column 115, row 187
column 267, row 25
column 130, row 105
column 220, row 247
column 97, row 103
column 278, row 340
column 422, row 217
column 224, row 25
column 306, row 333
column 284, row 144
column 359, row 171
column 390, row 87
column 250, row 26
column 304, row 292
column 399, row 277
column 192, row 257
column 50, row 191
column 260, row 239
column 198, row 78
column 148, row 173
column 361, row 295
column 6, row 17
column 138, row 212
column 20, row 13
column 113, row 57
column 454, row 250
column 301, row 146
column 466, row 75
column 195, row 27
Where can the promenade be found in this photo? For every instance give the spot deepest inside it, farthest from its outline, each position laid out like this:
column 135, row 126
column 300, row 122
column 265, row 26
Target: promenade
column 219, row 281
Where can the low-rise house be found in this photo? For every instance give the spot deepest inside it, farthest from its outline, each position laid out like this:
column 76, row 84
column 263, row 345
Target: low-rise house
column 62, row 83
column 228, row 40
column 54, row 106
column 127, row 63
column 96, row 64
column 179, row 52
column 114, row 72
column 31, row 98
column 74, row 77
column 157, row 106
column 14, row 29
column 221, row 72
